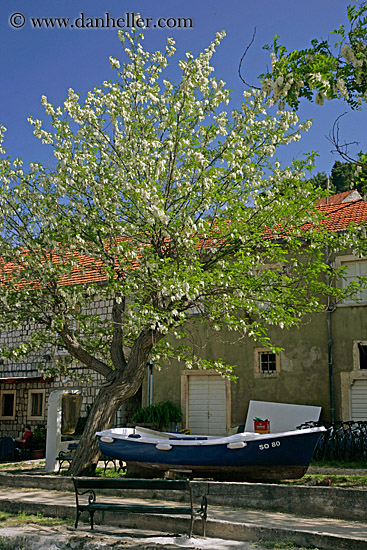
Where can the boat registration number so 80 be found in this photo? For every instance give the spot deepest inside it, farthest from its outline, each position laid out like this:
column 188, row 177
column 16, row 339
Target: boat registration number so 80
column 271, row 445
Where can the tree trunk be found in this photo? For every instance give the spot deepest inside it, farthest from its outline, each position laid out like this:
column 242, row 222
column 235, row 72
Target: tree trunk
column 121, row 385
column 105, row 405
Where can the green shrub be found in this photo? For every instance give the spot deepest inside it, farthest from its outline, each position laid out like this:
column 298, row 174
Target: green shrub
column 160, row 415
column 39, row 437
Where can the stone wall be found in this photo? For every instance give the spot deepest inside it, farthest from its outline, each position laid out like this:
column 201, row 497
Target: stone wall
column 26, row 374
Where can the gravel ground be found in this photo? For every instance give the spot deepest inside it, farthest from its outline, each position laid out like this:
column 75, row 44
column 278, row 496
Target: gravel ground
column 30, row 537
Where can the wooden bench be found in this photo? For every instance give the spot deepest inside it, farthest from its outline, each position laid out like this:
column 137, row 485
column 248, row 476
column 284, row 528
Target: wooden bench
column 68, row 456
column 88, row 486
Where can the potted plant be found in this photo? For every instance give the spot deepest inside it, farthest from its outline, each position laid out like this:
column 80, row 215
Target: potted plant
column 159, row 416
column 39, row 441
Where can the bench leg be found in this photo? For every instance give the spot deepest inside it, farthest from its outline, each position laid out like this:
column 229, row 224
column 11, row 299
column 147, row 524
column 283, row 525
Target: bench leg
column 203, row 522
column 203, row 514
column 106, row 463
column 91, row 513
column 61, row 462
column 122, row 468
column 77, row 518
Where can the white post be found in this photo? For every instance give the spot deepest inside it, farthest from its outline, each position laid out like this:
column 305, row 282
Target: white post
column 53, row 440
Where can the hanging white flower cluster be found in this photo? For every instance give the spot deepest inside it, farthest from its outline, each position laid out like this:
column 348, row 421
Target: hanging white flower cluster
column 350, row 57
column 115, row 64
column 319, row 70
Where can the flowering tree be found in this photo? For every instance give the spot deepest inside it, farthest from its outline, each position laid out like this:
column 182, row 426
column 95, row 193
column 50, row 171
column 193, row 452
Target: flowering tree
column 171, row 203
column 324, row 72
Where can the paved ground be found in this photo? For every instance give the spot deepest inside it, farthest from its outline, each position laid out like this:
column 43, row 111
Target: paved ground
column 64, row 538
column 34, row 498
column 238, row 526
column 227, row 528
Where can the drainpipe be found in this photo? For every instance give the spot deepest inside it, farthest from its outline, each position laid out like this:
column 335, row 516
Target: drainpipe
column 329, row 311
column 331, row 368
column 150, row 384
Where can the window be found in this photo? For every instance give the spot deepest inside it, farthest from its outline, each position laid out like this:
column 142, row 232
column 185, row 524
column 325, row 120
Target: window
column 267, row 363
column 36, row 400
column 272, row 285
column 355, row 269
column 362, row 355
column 7, row 406
column 195, row 310
column 60, row 350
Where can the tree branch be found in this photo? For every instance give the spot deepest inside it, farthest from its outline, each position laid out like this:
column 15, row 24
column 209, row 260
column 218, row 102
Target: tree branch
column 342, row 148
column 117, row 352
column 242, row 58
column 75, row 349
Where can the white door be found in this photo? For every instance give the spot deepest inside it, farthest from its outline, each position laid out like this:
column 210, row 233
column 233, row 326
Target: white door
column 358, row 394
column 207, row 411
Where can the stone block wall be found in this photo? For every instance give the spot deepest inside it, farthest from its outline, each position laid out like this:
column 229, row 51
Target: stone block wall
column 20, row 374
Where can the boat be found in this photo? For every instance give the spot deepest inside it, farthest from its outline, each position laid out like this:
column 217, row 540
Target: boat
column 245, row 456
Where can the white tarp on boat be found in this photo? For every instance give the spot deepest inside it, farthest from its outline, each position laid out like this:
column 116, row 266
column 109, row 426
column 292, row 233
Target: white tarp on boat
column 282, row 416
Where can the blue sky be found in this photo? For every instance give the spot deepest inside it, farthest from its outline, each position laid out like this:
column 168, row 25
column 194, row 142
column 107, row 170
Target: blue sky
column 49, row 61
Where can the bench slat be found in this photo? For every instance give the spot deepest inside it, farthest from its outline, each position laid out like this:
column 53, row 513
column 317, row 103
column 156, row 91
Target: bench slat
column 148, row 509
column 116, row 483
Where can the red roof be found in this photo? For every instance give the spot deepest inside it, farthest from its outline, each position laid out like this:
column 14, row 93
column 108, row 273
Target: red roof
column 341, row 215
column 346, row 196
column 340, row 212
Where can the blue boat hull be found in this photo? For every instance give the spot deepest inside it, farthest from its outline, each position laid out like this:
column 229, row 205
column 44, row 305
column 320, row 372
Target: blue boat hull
column 275, row 456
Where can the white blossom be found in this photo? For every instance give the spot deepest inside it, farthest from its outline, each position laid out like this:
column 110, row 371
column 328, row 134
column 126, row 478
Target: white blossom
column 115, row 64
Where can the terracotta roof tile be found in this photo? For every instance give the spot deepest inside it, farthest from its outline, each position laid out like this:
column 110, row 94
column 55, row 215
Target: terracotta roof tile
column 346, row 196
column 340, row 212
column 340, row 216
